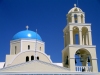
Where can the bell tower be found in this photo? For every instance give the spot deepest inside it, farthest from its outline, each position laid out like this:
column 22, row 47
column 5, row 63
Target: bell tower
column 78, row 41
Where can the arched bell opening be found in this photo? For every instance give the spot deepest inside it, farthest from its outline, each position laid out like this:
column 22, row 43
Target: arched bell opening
column 83, row 59
column 81, row 18
column 66, row 60
column 75, row 18
column 69, row 18
column 85, row 36
column 75, row 35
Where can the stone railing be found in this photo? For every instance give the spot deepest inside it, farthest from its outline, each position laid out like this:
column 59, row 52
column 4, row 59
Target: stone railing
column 83, row 68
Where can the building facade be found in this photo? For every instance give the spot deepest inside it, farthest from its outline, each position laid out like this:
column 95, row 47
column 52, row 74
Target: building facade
column 27, row 51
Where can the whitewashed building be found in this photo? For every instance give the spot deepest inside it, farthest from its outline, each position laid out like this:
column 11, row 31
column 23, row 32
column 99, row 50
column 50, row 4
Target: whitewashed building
column 27, row 51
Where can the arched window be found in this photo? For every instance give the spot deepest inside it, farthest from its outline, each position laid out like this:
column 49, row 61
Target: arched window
column 75, row 18
column 27, row 58
column 37, row 58
column 15, row 49
column 32, row 57
column 28, row 47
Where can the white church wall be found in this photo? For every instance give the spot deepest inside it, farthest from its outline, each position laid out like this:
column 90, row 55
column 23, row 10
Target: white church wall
column 32, row 44
column 1, row 64
column 42, row 56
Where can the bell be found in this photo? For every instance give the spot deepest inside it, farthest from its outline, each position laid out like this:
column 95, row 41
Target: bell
column 81, row 55
column 78, row 52
column 81, row 60
column 67, row 61
column 83, row 69
column 88, row 59
column 75, row 61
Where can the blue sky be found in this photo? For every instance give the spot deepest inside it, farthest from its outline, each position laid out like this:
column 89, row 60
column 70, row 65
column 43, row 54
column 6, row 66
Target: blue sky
column 49, row 17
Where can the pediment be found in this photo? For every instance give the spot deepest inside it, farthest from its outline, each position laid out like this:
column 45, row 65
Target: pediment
column 35, row 66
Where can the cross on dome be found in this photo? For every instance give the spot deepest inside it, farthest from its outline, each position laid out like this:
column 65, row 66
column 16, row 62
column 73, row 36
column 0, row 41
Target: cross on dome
column 27, row 27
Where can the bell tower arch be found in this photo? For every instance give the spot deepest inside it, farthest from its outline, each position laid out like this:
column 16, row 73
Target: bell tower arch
column 75, row 15
column 78, row 41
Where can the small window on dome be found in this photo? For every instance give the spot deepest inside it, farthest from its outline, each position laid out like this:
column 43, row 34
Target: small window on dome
column 28, row 47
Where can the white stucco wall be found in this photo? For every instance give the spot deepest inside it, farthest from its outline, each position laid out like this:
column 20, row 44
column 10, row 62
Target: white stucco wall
column 1, row 64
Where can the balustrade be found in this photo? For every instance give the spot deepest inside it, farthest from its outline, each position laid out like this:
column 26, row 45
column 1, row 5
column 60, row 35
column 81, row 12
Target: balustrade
column 83, row 68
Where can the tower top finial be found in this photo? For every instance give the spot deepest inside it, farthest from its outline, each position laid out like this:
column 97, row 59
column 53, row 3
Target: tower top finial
column 27, row 27
column 36, row 30
column 74, row 5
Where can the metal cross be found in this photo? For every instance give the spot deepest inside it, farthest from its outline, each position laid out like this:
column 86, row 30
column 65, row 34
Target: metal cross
column 27, row 27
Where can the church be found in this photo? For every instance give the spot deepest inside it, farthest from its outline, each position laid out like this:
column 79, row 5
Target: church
column 27, row 51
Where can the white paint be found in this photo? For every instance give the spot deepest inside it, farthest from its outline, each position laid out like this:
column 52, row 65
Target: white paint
column 1, row 64
column 30, row 51
column 24, row 39
column 28, row 40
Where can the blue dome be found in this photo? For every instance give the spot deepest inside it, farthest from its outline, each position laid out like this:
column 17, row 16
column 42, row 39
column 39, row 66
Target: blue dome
column 26, row 34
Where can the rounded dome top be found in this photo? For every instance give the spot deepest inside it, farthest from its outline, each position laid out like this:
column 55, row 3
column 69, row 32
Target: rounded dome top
column 26, row 34
column 75, row 9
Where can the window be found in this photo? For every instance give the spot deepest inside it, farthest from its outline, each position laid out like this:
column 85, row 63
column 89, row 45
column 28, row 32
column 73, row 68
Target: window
column 32, row 57
column 40, row 48
column 15, row 49
column 37, row 58
column 28, row 47
column 27, row 58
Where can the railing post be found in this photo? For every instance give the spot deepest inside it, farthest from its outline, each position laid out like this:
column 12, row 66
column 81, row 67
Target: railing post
column 83, row 68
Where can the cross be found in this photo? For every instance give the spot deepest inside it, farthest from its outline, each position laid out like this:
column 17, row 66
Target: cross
column 74, row 5
column 27, row 27
column 36, row 30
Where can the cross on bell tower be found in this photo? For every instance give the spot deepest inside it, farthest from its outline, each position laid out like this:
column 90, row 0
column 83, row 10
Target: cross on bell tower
column 74, row 5
column 78, row 40
column 75, row 15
